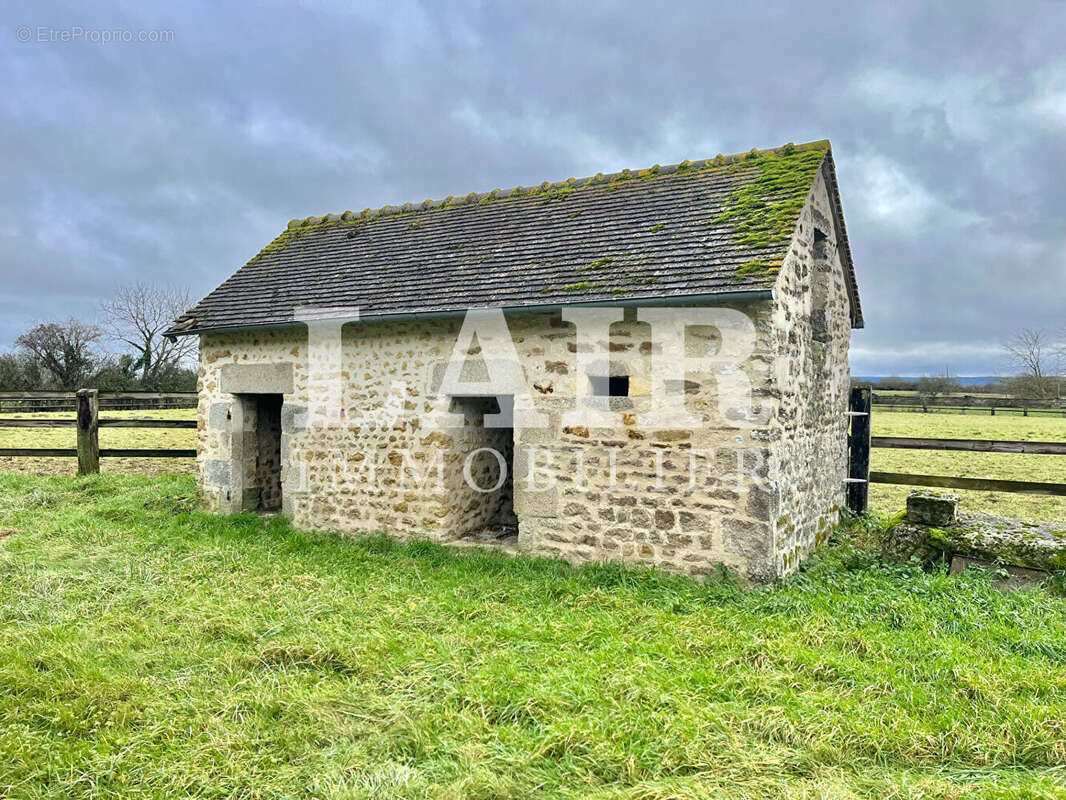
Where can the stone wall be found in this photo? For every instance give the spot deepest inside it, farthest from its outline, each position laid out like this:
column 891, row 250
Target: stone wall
column 689, row 499
column 627, row 493
column 812, row 329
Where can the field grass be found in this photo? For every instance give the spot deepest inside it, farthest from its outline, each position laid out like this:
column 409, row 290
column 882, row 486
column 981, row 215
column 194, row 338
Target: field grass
column 1051, row 469
column 109, row 437
column 150, row 650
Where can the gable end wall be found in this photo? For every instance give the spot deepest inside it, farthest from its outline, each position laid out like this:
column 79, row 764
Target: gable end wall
column 813, row 380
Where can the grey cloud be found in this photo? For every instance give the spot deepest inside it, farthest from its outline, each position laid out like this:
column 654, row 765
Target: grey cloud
column 177, row 161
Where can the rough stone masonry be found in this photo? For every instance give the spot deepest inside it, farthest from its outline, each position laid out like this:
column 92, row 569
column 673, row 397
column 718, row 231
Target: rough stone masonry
column 691, row 499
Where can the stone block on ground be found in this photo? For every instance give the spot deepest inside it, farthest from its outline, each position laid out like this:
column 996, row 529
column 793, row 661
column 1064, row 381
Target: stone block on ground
column 905, row 541
column 999, row 540
column 1003, row 540
column 932, row 508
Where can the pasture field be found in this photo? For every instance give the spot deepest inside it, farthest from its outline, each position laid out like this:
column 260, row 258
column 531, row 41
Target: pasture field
column 150, row 650
column 1014, row 466
column 970, row 411
column 109, row 437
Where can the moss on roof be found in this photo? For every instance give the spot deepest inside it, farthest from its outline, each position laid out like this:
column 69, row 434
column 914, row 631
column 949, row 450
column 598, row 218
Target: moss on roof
column 715, row 226
column 758, row 268
column 763, row 211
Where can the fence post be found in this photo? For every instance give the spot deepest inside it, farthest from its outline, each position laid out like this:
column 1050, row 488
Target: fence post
column 88, row 432
column 859, row 451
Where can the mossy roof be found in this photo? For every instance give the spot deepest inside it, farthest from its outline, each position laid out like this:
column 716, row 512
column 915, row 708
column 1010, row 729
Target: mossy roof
column 720, row 226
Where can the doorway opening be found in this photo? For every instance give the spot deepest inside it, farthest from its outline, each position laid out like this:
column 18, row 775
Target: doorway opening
column 263, row 453
column 486, row 479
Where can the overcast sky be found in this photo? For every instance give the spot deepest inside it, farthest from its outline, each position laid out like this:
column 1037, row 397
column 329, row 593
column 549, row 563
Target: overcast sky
column 175, row 161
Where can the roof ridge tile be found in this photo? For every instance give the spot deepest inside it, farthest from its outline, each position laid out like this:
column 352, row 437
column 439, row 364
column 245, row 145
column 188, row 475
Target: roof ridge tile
column 654, row 171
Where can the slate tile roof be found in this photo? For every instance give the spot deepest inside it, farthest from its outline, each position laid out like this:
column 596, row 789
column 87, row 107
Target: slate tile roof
column 713, row 227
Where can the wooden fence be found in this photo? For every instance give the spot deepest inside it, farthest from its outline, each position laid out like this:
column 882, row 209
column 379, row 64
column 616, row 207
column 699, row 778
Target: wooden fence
column 33, row 402
column 971, row 404
column 861, row 440
column 87, row 404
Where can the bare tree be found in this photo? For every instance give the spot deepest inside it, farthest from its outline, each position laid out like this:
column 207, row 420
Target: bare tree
column 64, row 350
column 137, row 316
column 1037, row 359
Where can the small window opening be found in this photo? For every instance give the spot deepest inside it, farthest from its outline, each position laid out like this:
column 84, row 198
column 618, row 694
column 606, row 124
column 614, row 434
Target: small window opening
column 821, row 245
column 609, row 386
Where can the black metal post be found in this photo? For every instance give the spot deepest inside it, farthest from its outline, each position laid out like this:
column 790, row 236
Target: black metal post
column 859, row 450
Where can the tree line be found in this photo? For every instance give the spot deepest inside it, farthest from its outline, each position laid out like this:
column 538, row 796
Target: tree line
column 123, row 351
column 1037, row 357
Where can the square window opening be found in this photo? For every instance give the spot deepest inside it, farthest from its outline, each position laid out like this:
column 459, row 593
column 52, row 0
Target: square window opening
column 609, row 385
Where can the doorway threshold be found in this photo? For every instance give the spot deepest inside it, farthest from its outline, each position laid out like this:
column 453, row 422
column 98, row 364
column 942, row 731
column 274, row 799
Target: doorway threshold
column 494, row 537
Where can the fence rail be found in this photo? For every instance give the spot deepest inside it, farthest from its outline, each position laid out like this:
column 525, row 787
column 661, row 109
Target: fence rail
column 109, row 401
column 103, row 423
column 1025, row 411
column 975, row 484
column 970, row 403
column 88, row 423
column 971, row 445
column 860, row 442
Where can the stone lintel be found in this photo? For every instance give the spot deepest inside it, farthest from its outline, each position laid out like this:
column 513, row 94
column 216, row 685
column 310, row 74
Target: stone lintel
column 257, row 378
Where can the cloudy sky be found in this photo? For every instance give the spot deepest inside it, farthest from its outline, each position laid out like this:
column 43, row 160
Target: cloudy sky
column 176, row 160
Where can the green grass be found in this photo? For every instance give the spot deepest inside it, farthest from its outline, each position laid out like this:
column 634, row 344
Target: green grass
column 1010, row 466
column 975, row 411
column 150, row 650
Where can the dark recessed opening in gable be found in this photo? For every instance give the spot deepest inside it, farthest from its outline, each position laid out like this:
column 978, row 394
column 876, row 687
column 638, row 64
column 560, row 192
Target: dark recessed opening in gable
column 821, row 270
column 821, row 245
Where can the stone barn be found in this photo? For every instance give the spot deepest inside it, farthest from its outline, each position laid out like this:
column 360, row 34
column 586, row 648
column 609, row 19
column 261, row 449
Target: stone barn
column 345, row 383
